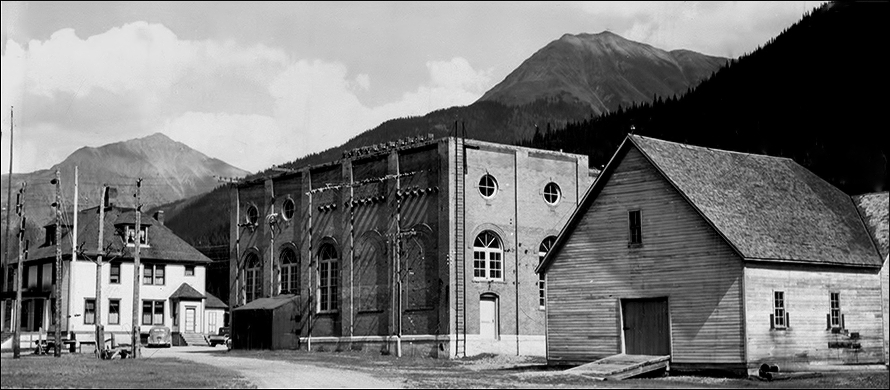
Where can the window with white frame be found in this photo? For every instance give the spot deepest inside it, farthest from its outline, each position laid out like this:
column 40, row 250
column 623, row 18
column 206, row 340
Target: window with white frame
column 780, row 315
column 552, row 193
column 834, row 302
column 189, row 270
column 130, row 234
column 327, row 278
column 115, row 273
column 114, row 311
column 488, row 186
column 153, row 274
column 152, row 312
column 290, row 271
column 89, row 311
column 252, row 272
column 545, row 247
column 488, row 255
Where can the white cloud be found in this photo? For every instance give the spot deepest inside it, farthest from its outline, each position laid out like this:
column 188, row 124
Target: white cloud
column 251, row 106
column 715, row 28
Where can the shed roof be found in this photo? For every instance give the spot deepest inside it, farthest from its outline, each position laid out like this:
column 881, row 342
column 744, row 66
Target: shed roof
column 767, row 208
column 268, row 303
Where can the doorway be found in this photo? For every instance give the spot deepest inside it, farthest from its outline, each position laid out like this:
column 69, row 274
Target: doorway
column 488, row 317
column 646, row 326
column 190, row 320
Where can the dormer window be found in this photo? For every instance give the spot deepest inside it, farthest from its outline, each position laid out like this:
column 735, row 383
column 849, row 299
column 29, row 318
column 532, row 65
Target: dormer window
column 130, row 235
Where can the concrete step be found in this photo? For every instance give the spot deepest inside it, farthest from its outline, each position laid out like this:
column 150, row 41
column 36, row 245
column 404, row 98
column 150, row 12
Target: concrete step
column 194, row 338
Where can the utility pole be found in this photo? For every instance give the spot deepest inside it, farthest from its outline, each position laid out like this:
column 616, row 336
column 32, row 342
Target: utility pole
column 134, row 339
column 8, row 203
column 71, row 265
column 57, row 316
column 100, row 331
column 17, row 321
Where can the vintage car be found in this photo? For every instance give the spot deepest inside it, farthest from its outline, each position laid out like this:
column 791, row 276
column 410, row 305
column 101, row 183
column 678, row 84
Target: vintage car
column 160, row 336
column 222, row 337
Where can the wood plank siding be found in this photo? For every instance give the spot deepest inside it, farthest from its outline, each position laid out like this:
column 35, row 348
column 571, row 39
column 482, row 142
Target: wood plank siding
column 681, row 258
column 808, row 337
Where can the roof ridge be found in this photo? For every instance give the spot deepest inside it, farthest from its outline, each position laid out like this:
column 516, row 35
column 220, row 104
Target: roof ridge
column 690, row 146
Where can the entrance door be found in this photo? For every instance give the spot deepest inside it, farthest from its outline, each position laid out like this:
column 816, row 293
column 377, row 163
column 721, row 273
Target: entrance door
column 190, row 320
column 488, row 317
column 646, row 326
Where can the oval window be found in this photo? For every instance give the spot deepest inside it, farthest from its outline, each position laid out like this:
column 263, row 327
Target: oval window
column 253, row 214
column 488, row 186
column 552, row 193
column 290, row 207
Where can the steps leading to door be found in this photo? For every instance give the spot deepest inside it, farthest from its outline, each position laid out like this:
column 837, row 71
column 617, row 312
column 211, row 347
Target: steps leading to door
column 194, row 339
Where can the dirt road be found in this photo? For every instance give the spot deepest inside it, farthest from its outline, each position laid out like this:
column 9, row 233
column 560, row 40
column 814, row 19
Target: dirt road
column 273, row 374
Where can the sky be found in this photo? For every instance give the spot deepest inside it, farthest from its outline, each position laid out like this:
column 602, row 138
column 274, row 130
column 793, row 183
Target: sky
column 260, row 84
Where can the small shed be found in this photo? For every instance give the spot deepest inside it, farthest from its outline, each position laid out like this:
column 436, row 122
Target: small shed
column 267, row 323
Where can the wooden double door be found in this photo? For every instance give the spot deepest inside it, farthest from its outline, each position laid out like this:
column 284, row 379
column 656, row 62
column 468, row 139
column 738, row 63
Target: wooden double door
column 646, row 326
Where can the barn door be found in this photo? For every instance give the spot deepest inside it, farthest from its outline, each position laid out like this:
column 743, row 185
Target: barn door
column 646, row 326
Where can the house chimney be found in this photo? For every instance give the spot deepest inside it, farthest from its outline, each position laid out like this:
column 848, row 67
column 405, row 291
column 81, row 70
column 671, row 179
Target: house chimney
column 159, row 216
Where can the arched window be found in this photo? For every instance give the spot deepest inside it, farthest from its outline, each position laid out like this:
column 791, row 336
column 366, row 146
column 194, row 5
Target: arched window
column 290, row 271
column 289, row 208
column 488, row 256
column 488, row 186
column 327, row 278
column 552, row 193
column 545, row 247
column 253, row 215
column 253, row 287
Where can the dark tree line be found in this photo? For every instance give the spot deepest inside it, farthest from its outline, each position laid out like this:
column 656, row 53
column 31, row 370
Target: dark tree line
column 817, row 93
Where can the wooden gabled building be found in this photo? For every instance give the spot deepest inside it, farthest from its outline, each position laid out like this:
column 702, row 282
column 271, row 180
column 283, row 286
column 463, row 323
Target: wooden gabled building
column 719, row 259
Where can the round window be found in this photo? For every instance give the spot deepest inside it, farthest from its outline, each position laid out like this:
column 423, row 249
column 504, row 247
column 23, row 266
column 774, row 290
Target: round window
column 551, row 193
column 289, row 208
column 488, row 186
column 253, row 214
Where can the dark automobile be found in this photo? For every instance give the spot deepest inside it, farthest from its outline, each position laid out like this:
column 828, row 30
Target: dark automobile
column 222, row 337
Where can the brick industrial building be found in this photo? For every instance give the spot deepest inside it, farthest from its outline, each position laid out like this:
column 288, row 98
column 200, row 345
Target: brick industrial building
column 429, row 244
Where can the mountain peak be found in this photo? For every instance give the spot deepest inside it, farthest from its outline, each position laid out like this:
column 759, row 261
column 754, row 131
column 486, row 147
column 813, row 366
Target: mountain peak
column 602, row 70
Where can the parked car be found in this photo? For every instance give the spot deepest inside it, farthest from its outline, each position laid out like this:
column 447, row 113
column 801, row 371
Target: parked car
column 160, row 336
column 222, row 337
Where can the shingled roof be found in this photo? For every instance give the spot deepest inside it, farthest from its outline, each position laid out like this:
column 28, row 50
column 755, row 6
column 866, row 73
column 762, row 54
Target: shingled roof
column 185, row 291
column 766, row 208
column 874, row 211
column 163, row 244
column 213, row 302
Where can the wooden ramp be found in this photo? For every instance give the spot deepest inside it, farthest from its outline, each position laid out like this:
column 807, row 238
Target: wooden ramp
column 622, row 366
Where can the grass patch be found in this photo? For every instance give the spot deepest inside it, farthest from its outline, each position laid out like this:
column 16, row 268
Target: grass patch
column 85, row 371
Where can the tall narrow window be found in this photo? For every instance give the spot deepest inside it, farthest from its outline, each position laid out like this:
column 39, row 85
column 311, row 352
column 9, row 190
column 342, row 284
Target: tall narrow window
column 252, row 286
column 290, row 272
column 488, row 256
column 115, row 273
column 159, row 275
column 835, row 307
column 146, row 312
column 328, row 276
column 635, row 222
column 89, row 311
column 114, row 311
column 779, row 310
column 159, row 313
column 545, row 247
